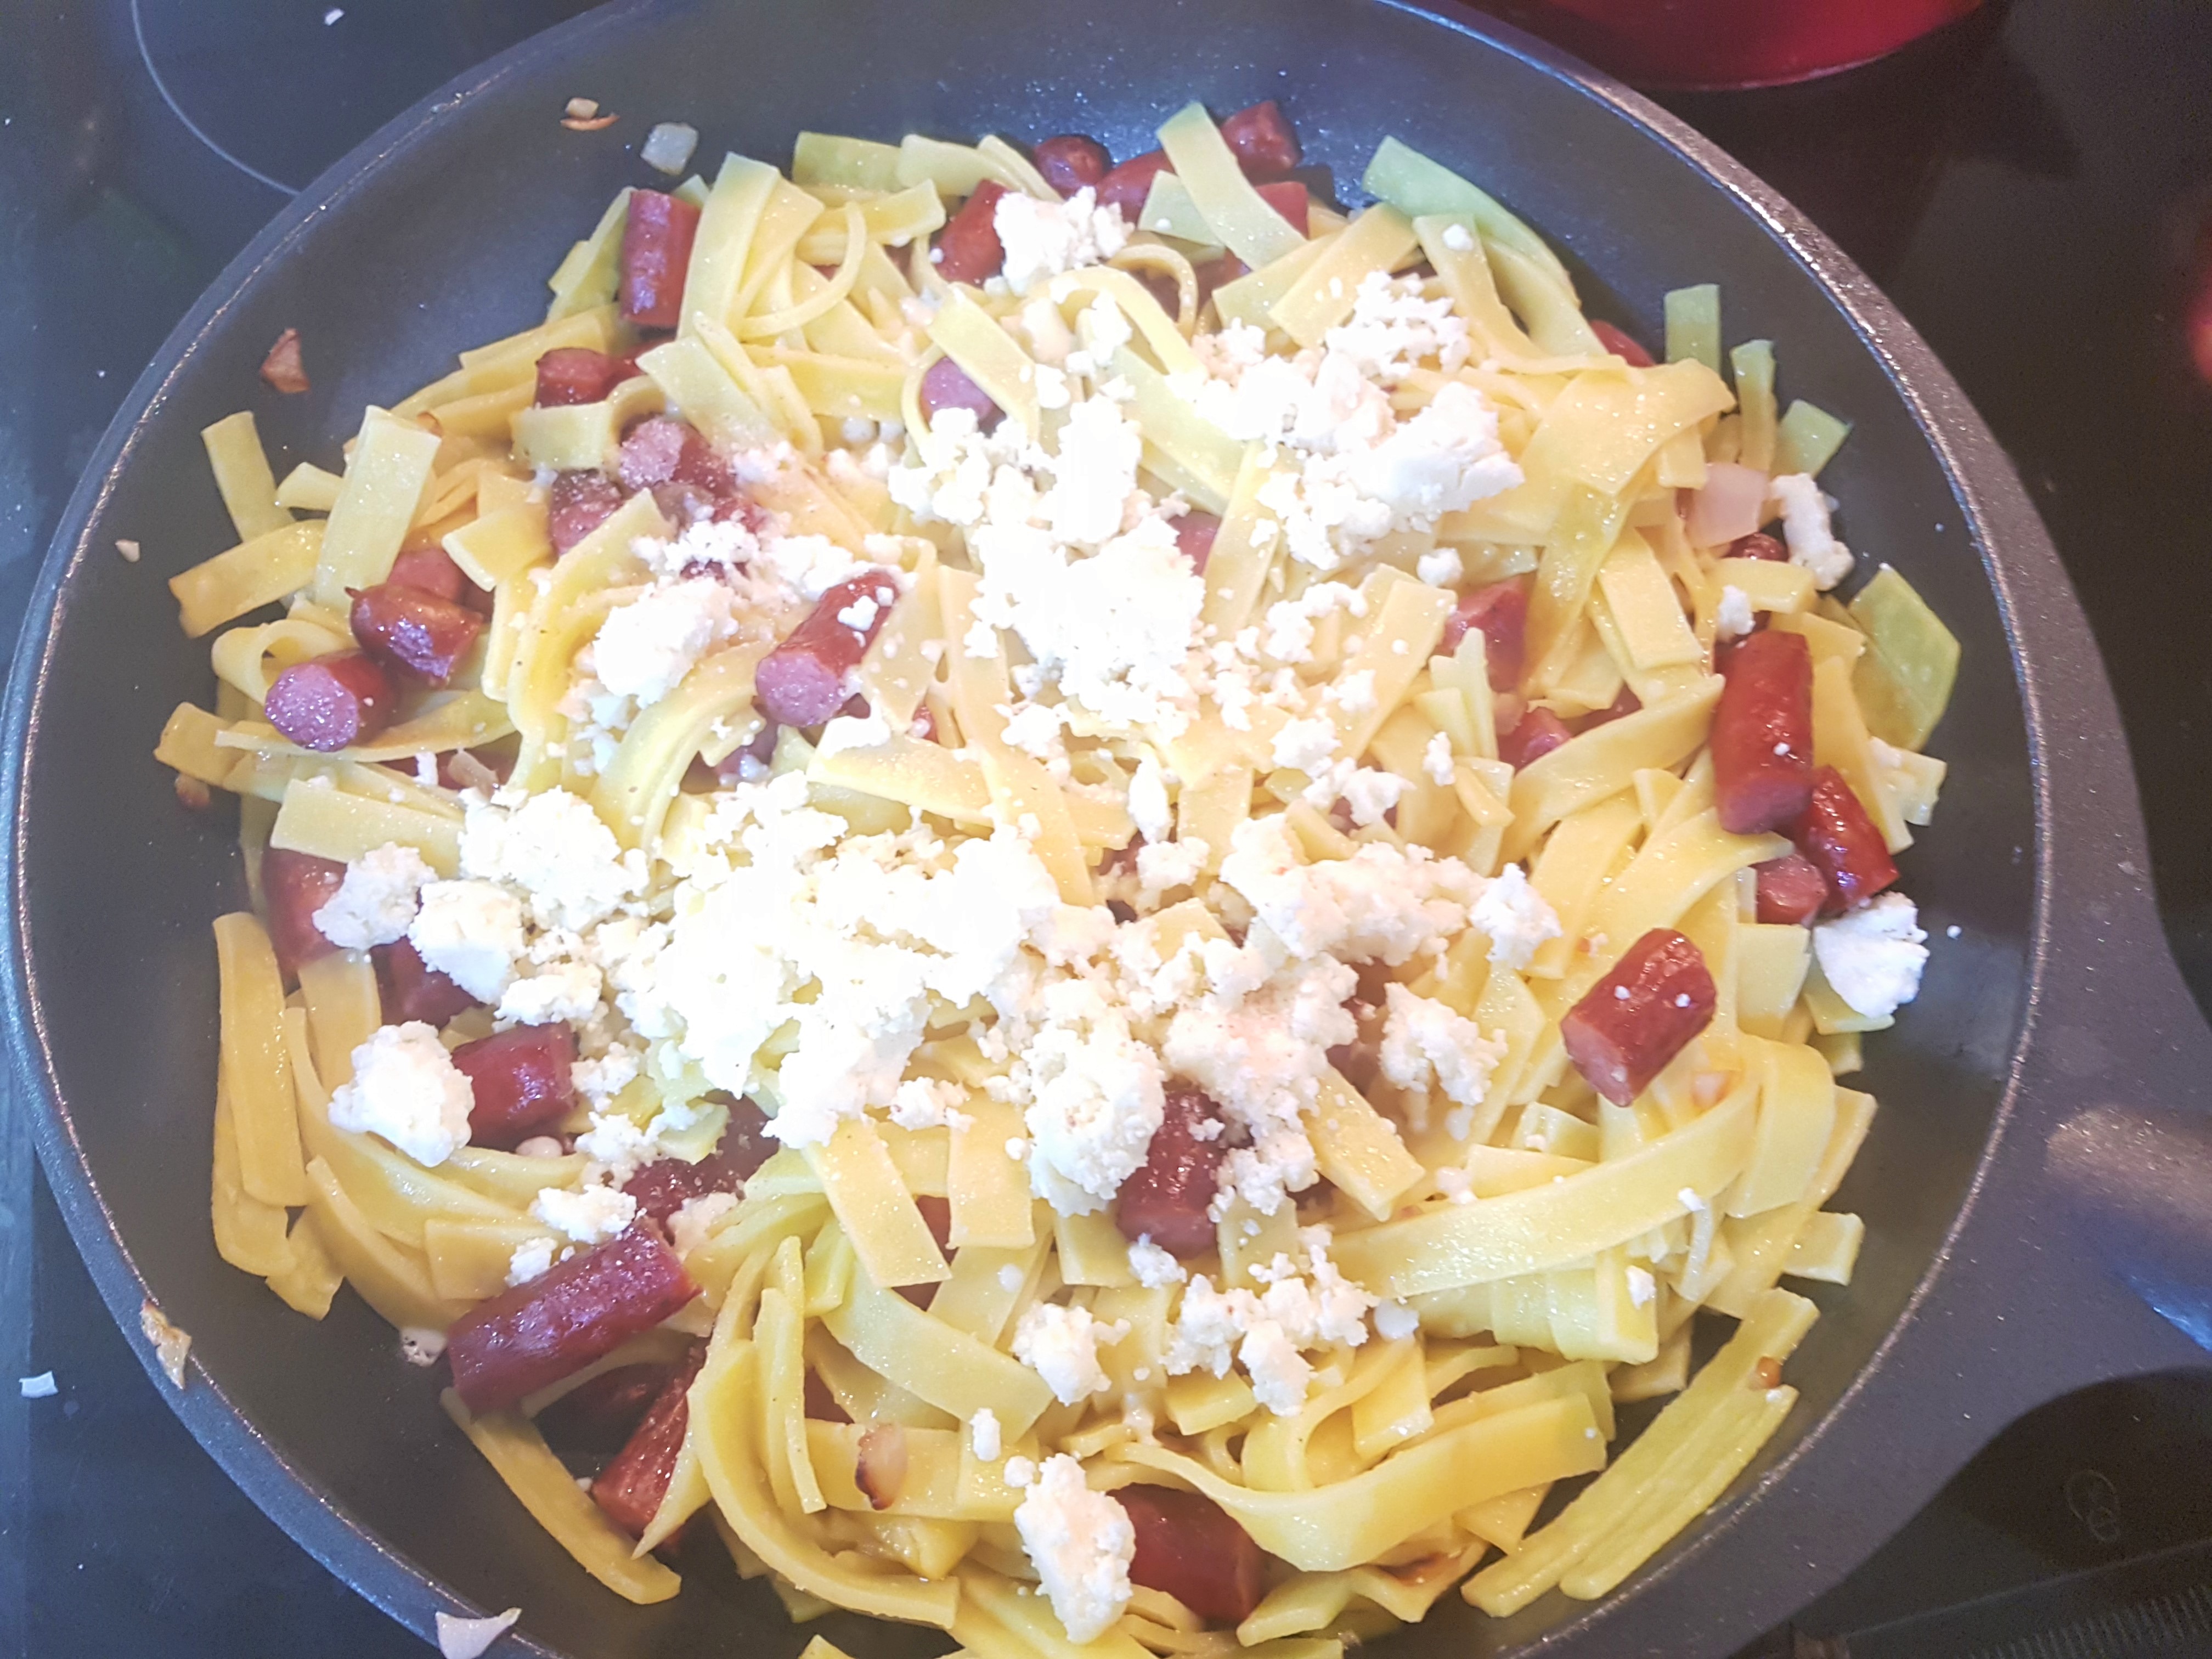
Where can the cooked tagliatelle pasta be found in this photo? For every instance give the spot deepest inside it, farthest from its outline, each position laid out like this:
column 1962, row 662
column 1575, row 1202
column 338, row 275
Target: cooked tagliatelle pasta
column 1095, row 898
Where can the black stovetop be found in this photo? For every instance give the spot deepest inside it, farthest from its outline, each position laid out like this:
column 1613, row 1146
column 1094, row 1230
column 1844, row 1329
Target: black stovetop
column 2029, row 188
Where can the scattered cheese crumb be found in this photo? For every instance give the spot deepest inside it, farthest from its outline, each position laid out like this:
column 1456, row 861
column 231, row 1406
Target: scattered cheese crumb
column 1061, row 1345
column 1872, row 956
column 1514, row 916
column 468, row 1638
column 984, row 1435
column 1081, row 1543
column 530, row 1260
column 592, row 1216
column 1805, row 527
column 376, row 901
column 40, row 1387
column 421, row 1346
column 406, row 1089
column 1733, row 618
column 668, row 147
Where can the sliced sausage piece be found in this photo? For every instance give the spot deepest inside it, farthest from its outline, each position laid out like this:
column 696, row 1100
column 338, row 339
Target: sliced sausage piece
column 1071, row 161
column 1500, row 610
column 630, row 1488
column 521, row 1081
column 561, row 1322
column 968, row 248
column 1289, row 199
column 331, row 702
column 666, row 1185
column 1762, row 737
column 576, row 504
column 1167, row 1199
column 1194, row 534
column 1621, row 343
column 1537, row 733
column 656, row 250
column 295, row 886
column 945, row 384
column 415, row 632
column 578, row 375
column 1757, row 545
column 1836, row 834
column 1189, row 1547
column 431, row 570
column 662, row 449
column 410, row 988
column 802, row 681
column 1262, row 140
column 600, row 1415
column 1791, row 890
column 1640, row 1016
column 1127, row 186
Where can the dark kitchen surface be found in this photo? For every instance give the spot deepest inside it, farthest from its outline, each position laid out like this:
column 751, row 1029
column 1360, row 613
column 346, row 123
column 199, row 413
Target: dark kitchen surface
column 2033, row 188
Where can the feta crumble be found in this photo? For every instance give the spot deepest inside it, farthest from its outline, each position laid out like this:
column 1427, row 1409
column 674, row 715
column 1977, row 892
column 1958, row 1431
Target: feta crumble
column 531, row 1260
column 985, row 1436
column 1805, row 528
column 1426, row 1043
column 406, row 1090
column 646, row 648
column 1872, row 956
column 471, row 932
column 1514, row 916
column 1081, row 1543
column 1061, row 1345
column 376, row 901
column 1043, row 240
column 592, row 1216
column 1732, row 616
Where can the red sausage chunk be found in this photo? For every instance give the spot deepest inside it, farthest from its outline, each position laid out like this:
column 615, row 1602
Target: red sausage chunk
column 1166, row 1200
column 666, row 1185
column 630, row 1488
column 331, row 702
column 1262, row 140
column 600, row 1415
column 1071, row 161
column 1500, row 610
column 521, row 1077
column 1640, row 1016
column 1127, row 186
column 1757, row 545
column 578, row 375
column 417, row 632
column 410, row 988
column 802, row 681
column 576, row 504
column 1539, row 732
column 1621, row 343
column 1835, row 833
column 663, row 450
column 1290, row 199
column 968, row 248
column 296, row 886
column 1194, row 534
column 561, row 1322
column 945, row 384
column 1791, row 890
column 1188, row 1546
column 1763, row 734
column 429, row 571
column 656, row 250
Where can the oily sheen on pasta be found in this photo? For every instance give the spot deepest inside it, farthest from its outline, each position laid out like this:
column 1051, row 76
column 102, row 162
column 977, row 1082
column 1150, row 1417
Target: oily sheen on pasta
column 1076, row 900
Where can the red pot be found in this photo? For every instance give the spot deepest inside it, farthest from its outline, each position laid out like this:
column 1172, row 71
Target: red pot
column 1713, row 44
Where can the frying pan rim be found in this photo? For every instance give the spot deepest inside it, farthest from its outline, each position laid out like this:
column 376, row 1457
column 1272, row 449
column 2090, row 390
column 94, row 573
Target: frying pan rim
column 1972, row 467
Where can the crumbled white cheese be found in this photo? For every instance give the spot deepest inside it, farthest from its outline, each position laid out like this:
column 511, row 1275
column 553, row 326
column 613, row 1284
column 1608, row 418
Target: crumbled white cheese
column 1805, row 527
column 1426, row 1042
column 646, row 648
column 1370, row 793
column 1437, row 760
column 1514, row 917
column 694, row 1220
column 406, row 1089
column 41, row 1386
column 1393, row 329
column 985, row 1437
column 1642, row 1287
column 555, row 848
column 1153, row 1267
column 1872, row 956
column 1732, row 616
column 471, row 932
column 1061, row 1345
column 421, row 1346
column 1148, row 800
column 844, row 733
column 563, row 991
column 1305, row 745
column 1302, row 1308
column 376, row 901
column 1395, row 1321
column 592, row 1216
column 1044, row 239
column 1164, row 866
column 1442, row 568
column 531, row 1260
column 1081, row 1543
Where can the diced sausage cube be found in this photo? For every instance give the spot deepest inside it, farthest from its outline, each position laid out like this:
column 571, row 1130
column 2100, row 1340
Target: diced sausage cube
column 657, row 235
column 1189, row 1547
column 331, row 702
column 295, row 886
column 630, row 1489
column 1837, row 835
column 1762, row 735
column 802, row 681
column 1623, row 1032
column 1262, row 140
column 415, row 632
column 576, row 504
column 1167, row 1198
column 1071, row 161
column 967, row 249
column 521, row 1082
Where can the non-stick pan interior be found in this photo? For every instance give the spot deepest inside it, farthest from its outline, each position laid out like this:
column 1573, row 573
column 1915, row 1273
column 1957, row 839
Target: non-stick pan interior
column 444, row 241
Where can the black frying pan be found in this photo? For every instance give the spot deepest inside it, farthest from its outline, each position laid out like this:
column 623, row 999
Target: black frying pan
column 2011, row 1181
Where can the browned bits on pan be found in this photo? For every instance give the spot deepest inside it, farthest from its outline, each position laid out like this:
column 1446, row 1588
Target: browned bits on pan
column 192, row 795
column 281, row 368
column 582, row 115
column 880, row 1470
column 1767, row 1374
